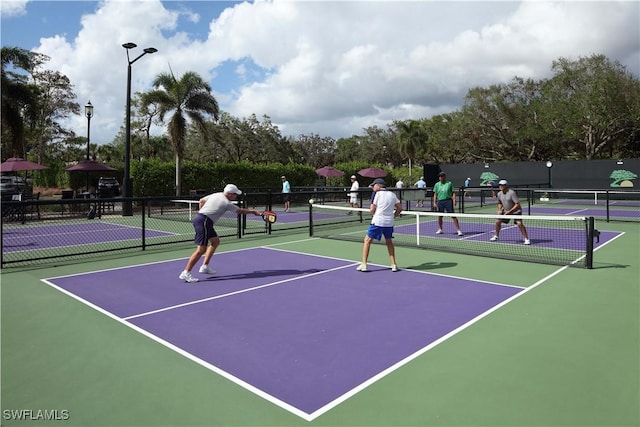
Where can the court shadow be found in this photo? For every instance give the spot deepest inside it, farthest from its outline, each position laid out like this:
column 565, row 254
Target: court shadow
column 597, row 265
column 433, row 265
column 262, row 273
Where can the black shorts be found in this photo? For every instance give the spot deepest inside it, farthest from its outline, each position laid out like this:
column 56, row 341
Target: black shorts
column 203, row 226
column 286, row 197
column 515, row 220
column 445, row 205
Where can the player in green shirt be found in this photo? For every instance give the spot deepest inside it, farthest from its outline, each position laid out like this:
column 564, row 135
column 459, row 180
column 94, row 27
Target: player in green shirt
column 444, row 199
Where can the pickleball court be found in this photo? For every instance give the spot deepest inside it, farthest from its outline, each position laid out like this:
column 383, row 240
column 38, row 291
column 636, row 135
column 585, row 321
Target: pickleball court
column 45, row 236
column 304, row 332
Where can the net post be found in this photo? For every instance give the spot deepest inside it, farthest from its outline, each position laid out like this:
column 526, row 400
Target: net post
column 607, row 199
column 310, row 220
column 143, row 224
column 590, row 237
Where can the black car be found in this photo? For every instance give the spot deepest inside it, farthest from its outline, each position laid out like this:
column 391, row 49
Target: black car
column 108, row 186
column 12, row 185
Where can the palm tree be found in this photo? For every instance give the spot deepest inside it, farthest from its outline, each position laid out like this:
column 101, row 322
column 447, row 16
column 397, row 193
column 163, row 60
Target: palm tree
column 411, row 137
column 19, row 98
column 189, row 97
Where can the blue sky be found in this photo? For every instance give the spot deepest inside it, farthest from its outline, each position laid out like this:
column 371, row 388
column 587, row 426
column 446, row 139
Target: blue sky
column 326, row 68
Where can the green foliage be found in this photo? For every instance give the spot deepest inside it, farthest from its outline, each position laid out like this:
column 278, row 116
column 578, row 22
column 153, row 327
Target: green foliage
column 153, row 177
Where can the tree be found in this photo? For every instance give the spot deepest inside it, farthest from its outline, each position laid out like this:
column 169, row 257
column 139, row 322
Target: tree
column 596, row 104
column 411, row 137
column 19, row 96
column 55, row 101
column 187, row 98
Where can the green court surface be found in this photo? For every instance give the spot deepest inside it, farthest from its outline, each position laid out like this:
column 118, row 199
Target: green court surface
column 564, row 353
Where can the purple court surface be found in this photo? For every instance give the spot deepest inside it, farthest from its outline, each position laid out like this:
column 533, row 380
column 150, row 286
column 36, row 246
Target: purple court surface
column 302, row 331
column 28, row 238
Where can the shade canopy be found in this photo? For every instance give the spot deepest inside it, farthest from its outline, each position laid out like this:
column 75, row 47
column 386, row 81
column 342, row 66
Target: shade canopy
column 372, row 172
column 16, row 164
column 89, row 166
column 329, row 171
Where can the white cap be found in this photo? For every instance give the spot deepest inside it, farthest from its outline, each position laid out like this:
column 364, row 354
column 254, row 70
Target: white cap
column 231, row 188
column 502, row 182
column 353, row 177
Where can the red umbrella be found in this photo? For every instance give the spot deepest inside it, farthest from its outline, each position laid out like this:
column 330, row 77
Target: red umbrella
column 372, row 173
column 329, row 171
column 89, row 166
column 15, row 164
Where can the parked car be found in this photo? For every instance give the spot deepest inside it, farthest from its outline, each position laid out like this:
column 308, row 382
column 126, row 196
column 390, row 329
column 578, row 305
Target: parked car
column 108, row 186
column 11, row 185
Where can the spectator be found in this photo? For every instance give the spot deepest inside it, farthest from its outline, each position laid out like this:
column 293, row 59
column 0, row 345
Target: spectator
column 422, row 185
column 353, row 195
column 286, row 193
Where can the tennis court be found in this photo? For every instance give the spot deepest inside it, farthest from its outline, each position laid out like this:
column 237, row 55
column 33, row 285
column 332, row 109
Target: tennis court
column 288, row 333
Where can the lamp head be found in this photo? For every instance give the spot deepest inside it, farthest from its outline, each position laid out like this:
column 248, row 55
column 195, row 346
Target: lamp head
column 129, row 45
column 150, row 50
column 549, row 164
column 88, row 110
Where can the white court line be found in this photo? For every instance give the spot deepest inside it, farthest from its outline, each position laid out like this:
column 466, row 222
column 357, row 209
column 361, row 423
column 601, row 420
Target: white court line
column 242, row 291
column 401, row 269
column 293, row 410
column 423, row 350
column 207, row 365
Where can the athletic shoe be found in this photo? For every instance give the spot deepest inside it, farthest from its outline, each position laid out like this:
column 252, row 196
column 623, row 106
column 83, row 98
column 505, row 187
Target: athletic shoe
column 460, row 233
column 439, row 231
column 527, row 242
column 394, row 268
column 362, row 267
column 206, row 270
column 494, row 238
column 188, row 277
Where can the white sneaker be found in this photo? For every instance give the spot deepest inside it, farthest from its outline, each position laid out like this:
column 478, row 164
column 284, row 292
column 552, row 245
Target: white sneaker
column 362, row 267
column 527, row 242
column 394, row 268
column 494, row 238
column 460, row 233
column 439, row 231
column 206, row 270
column 188, row 277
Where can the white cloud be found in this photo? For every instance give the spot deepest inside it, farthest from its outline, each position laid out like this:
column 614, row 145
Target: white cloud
column 334, row 68
column 13, row 8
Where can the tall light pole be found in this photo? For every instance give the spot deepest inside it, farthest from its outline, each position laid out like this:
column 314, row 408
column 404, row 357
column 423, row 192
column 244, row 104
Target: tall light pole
column 88, row 111
column 126, row 180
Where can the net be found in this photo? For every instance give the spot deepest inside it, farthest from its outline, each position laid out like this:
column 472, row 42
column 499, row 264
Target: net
column 559, row 240
column 609, row 204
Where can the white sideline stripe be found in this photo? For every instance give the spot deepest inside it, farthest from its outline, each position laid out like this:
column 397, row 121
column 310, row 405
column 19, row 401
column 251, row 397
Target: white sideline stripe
column 423, row 350
column 293, row 410
column 242, row 291
column 217, row 370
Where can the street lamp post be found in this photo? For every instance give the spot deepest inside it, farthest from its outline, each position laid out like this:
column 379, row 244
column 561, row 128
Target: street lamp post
column 88, row 111
column 126, row 180
column 549, row 166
